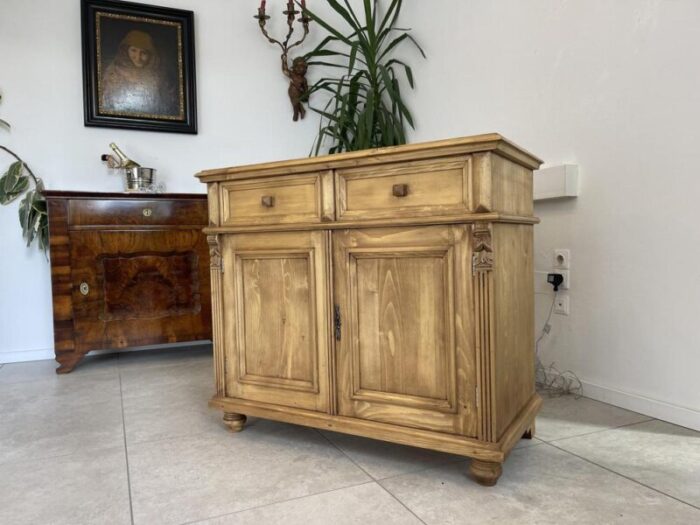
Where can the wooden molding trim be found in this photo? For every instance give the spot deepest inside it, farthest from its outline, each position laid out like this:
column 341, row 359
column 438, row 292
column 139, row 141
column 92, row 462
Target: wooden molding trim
column 216, row 269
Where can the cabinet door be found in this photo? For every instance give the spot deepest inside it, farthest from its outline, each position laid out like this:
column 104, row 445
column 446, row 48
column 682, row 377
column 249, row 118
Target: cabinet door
column 404, row 349
column 133, row 288
column 276, row 318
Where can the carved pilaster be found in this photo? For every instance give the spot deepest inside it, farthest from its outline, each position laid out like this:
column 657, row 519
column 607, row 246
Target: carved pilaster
column 482, row 266
column 217, row 269
column 482, row 258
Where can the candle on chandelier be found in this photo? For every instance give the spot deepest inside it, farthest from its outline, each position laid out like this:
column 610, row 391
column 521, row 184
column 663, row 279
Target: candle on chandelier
column 262, row 5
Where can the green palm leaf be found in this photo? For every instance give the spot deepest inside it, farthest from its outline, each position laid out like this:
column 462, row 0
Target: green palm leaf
column 366, row 108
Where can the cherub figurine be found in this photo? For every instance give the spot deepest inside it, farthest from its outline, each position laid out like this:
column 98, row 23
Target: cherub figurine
column 297, row 85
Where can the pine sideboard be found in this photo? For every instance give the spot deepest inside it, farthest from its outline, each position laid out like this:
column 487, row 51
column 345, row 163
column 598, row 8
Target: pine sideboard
column 386, row 293
column 127, row 269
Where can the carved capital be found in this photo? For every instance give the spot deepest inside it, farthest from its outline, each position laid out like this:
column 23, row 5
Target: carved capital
column 482, row 259
column 215, row 260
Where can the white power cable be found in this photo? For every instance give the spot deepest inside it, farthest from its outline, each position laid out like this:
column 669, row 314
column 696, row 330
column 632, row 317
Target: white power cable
column 550, row 380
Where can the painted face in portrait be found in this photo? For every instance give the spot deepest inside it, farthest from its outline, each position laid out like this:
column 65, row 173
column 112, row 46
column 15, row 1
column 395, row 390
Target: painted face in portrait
column 134, row 82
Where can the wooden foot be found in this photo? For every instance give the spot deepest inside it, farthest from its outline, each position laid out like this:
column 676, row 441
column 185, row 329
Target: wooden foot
column 485, row 472
column 234, row 421
column 67, row 362
column 530, row 432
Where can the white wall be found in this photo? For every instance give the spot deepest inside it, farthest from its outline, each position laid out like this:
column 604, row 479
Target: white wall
column 608, row 85
column 611, row 86
column 244, row 116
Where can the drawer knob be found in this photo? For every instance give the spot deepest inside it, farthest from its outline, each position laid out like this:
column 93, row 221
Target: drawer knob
column 147, row 212
column 268, row 201
column 399, row 190
column 84, row 288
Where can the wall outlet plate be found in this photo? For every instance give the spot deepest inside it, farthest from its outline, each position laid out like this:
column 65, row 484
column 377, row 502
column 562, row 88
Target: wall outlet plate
column 567, row 281
column 562, row 305
column 562, row 259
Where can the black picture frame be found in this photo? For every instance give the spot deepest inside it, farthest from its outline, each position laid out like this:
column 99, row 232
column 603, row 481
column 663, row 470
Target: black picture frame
column 138, row 67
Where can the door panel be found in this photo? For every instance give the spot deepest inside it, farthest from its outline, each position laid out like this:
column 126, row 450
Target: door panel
column 139, row 287
column 276, row 306
column 403, row 356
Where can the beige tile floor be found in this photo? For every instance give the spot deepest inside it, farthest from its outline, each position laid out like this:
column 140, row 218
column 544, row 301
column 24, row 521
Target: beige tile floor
column 129, row 439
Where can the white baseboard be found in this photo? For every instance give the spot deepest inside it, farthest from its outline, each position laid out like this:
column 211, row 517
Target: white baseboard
column 685, row 417
column 21, row 356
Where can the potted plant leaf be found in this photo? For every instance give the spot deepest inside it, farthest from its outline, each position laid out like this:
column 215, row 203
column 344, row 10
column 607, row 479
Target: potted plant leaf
column 17, row 181
column 365, row 108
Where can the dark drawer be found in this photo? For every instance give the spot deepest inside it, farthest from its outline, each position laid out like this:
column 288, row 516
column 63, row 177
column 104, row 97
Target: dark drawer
column 141, row 212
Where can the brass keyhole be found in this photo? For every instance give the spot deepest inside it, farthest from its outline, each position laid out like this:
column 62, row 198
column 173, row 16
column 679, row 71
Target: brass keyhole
column 147, row 212
column 84, row 288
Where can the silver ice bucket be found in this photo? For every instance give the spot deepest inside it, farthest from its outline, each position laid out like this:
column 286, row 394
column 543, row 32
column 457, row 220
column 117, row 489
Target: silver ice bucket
column 139, row 179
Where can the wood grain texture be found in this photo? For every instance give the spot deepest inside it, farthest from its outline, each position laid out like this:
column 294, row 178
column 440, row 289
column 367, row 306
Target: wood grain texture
column 408, row 152
column 217, row 299
column 139, row 286
column 393, row 301
column 278, row 345
column 428, row 188
column 144, row 287
column 513, row 322
column 275, row 200
column 136, row 212
column 512, row 187
column 400, row 354
column 450, row 443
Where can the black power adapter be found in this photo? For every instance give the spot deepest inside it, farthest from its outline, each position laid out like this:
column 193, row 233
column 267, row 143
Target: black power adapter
column 555, row 279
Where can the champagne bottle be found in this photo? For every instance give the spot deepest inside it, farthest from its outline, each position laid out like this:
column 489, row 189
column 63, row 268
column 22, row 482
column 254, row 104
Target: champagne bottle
column 126, row 162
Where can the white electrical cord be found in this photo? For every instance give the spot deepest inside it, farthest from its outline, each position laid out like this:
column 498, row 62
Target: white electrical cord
column 550, row 380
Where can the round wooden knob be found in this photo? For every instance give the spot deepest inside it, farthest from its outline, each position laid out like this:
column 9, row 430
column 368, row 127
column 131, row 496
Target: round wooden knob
column 268, row 201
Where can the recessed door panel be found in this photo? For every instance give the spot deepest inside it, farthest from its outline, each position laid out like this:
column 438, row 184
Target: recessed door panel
column 276, row 312
column 403, row 356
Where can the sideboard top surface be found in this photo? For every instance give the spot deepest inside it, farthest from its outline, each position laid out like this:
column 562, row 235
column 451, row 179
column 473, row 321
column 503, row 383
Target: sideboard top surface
column 60, row 194
column 465, row 145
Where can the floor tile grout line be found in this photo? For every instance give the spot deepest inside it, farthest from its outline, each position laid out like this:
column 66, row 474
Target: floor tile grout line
column 400, row 502
column 601, row 430
column 256, row 507
column 344, row 454
column 126, row 450
column 370, row 475
column 624, row 476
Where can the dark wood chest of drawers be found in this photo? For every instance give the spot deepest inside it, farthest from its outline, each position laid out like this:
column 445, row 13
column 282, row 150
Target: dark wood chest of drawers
column 127, row 270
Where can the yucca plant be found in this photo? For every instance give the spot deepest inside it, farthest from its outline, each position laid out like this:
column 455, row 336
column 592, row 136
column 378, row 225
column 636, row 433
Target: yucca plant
column 365, row 108
column 32, row 208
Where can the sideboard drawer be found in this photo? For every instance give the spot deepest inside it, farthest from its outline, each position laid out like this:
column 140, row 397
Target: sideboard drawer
column 105, row 212
column 305, row 198
column 434, row 187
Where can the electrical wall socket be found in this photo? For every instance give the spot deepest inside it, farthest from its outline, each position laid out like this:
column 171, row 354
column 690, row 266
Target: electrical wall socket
column 561, row 305
column 566, row 284
column 562, row 259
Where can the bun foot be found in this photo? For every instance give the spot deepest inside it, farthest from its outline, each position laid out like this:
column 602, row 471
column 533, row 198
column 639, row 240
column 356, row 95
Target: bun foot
column 485, row 473
column 234, row 421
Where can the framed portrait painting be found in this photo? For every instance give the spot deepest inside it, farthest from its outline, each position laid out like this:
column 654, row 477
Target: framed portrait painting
column 138, row 66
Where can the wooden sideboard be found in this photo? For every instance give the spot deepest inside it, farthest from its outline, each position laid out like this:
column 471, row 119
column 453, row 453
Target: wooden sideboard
column 385, row 293
column 127, row 270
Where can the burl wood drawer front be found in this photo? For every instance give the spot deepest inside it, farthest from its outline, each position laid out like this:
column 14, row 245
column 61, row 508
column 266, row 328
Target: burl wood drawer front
column 276, row 200
column 421, row 188
column 109, row 212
